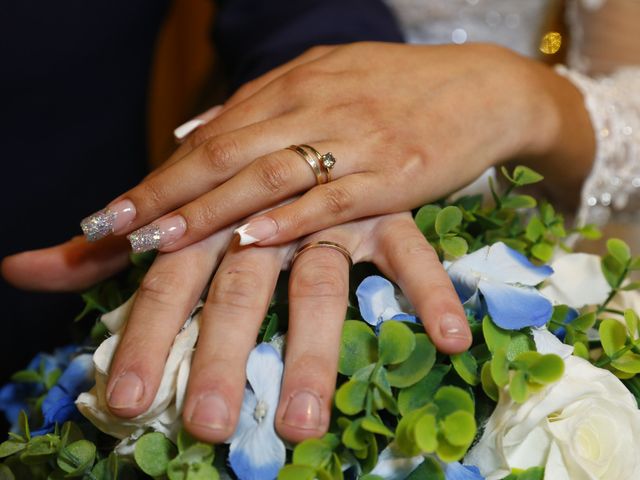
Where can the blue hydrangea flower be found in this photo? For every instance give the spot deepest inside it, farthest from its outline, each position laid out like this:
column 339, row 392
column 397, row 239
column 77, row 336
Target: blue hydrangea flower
column 256, row 451
column 457, row 471
column 14, row 396
column 59, row 404
column 501, row 281
column 378, row 303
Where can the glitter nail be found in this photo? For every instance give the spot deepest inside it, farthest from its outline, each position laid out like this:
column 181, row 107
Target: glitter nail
column 145, row 239
column 98, row 225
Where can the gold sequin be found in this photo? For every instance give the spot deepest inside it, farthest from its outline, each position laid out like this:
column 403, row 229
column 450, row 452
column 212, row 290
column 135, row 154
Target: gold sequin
column 550, row 43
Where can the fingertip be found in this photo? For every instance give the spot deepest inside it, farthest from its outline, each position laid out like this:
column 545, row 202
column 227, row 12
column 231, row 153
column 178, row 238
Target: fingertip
column 451, row 333
column 126, row 395
column 302, row 415
column 209, row 418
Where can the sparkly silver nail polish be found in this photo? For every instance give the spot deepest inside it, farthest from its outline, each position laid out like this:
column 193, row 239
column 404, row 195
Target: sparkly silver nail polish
column 145, row 239
column 98, row 225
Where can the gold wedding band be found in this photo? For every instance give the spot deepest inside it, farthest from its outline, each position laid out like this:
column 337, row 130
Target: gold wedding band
column 313, row 163
column 323, row 244
column 326, row 161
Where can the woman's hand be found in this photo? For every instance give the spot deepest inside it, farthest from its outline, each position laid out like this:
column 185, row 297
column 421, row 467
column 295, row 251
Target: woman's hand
column 407, row 124
column 235, row 307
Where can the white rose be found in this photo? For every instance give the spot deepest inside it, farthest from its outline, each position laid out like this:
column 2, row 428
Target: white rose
column 164, row 414
column 585, row 426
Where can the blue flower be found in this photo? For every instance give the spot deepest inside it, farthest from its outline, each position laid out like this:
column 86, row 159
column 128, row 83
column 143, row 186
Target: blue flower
column 59, row 405
column 502, row 281
column 15, row 396
column 457, row 471
column 256, row 451
column 378, row 303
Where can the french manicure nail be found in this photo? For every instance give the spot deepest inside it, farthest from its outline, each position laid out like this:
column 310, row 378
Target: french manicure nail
column 256, row 230
column 126, row 391
column 159, row 234
column 108, row 220
column 303, row 411
column 211, row 412
column 186, row 128
column 453, row 326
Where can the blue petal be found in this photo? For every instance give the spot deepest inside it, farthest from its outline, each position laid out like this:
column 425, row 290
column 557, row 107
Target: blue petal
column 512, row 307
column 257, row 454
column 377, row 300
column 264, row 373
column 78, row 377
column 457, row 471
column 500, row 263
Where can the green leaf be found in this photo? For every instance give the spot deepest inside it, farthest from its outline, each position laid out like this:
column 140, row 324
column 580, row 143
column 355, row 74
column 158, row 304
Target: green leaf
column 447, row 220
column 518, row 387
column 548, row 369
column 198, row 471
column 500, row 368
column 153, row 452
column 26, row 376
column 613, row 336
column 519, row 201
column 519, row 343
column 373, row 424
column 396, row 341
column 449, row 399
column 273, row 322
column 488, row 384
column 619, row 250
column 631, row 319
column 313, row 452
column 628, row 363
column 351, row 396
column 426, row 219
column 496, row 337
column 185, row 440
column 535, row 473
column 358, row 347
column 454, row 246
column 416, row 366
column 585, row 321
column 449, row 453
column 535, row 229
column 635, row 264
column 581, row 350
column 430, row 469
column 426, row 433
column 40, row 450
column 590, row 232
column 525, row 176
column 542, row 251
column 612, row 270
column 297, row 472
column 76, row 457
column 10, row 447
column 459, row 428
column 418, row 395
column 6, row 473
column 629, row 287
column 354, row 436
column 23, row 424
column 466, row 366
column 70, row 433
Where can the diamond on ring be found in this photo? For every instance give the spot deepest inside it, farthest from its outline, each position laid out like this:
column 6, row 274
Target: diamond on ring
column 328, row 160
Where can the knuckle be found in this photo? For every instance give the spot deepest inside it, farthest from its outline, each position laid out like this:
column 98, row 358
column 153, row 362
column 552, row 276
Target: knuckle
column 273, row 174
column 337, row 199
column 320, row 280
column 236, row 287
column 198, row 137
column 153, row 194
column 161, row 287
column 218, row 155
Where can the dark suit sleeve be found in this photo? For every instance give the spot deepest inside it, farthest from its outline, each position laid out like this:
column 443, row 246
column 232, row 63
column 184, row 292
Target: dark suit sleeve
column 254, row 36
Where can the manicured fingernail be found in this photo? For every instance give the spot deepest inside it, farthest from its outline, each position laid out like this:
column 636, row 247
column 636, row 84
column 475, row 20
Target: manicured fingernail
column 211, row 412
column 158, row 234
column 256, row 230
column 126, row 391
column 303, row 411
column 109, row 220
column 186, row 128
column 453, row 326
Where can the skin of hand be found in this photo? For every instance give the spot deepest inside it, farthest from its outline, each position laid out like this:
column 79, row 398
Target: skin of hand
column 407, row 124
column 236, row 304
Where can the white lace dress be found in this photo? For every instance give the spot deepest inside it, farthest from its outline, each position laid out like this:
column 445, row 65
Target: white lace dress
column 603, row 62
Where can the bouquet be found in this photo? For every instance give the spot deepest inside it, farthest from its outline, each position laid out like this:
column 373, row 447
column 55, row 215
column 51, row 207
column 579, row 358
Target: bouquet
column 548, row 390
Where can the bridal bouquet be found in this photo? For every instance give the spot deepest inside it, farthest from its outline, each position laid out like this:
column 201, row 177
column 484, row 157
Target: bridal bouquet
column 549, row 388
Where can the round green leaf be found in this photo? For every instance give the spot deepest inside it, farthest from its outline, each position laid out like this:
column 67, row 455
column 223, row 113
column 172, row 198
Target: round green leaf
column 396, row 341
column 10, row 447
column 354, row 437
column 519, row 201
column 351, row 396
column 6, row 473
column 542, row 251
column 177, row 470
column 450, row 399
column 495, row 336
column 488, row 384
column 421, row 393
column 40, row 450
column 426, row 433
column 613, row 336
column 459, row 428
column 358, row 347
column 153, row 453
column 525, row 176
column 76, row 457
column 454, row 246
column 416, row 366
column 518, row 387
column 297, row 472
column 619, row 250
column 448, row 219
column 548, row 369
column 313, row 452
column 374, row 425
column 466, row 366
column 426, row 219
column 449, row 453
column 430, row 469
column 628, row 363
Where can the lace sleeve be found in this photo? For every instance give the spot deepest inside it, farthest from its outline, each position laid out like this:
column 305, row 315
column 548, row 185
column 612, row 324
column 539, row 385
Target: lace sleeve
column 613, row 103
column 604, row 64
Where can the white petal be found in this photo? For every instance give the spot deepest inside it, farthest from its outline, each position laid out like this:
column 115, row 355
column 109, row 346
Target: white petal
column 577, row 281
column 116, row 319
column 546, row 342
column 500, row 263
